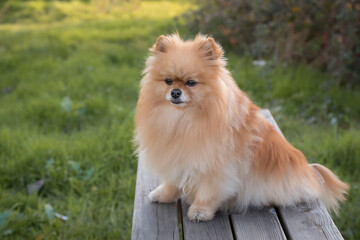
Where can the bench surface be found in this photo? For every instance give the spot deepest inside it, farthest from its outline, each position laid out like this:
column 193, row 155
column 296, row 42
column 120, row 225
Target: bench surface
column 169, row 221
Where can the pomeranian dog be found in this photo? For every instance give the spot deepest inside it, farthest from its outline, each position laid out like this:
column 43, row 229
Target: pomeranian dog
column 207, row 142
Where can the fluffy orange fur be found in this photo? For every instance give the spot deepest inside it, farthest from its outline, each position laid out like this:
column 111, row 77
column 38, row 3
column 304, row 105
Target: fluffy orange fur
column 213, row 148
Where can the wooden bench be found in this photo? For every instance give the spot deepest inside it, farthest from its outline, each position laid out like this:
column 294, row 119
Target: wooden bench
column 169, row 221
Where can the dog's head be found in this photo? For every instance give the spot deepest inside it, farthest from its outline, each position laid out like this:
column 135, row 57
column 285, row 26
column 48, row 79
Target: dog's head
column 184, row 73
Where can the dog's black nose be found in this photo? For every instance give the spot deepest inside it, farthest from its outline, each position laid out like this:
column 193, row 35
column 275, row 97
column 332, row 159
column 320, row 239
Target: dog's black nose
column 176, row 93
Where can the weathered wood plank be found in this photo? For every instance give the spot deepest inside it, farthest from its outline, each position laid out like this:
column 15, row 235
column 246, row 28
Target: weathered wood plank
column 216, row 229
column 152, row 220
column 309, row 220
column 257, row 223
column 266, row 113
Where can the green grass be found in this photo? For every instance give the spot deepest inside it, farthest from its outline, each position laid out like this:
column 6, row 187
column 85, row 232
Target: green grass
column 69, row 75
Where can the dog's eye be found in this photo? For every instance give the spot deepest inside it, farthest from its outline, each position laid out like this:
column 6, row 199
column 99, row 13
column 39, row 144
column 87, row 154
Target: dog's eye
column 190, row 83
column 168, row 81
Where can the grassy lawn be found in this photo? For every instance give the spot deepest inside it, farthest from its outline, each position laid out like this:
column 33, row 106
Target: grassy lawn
column 69, row 74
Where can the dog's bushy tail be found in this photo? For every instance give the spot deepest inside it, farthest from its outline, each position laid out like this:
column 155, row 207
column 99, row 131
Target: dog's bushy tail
column 333, row 189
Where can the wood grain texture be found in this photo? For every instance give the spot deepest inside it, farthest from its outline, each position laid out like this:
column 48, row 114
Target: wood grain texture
column 257, row 223
column 152, row 220
column 216, row 229
column 309, row 220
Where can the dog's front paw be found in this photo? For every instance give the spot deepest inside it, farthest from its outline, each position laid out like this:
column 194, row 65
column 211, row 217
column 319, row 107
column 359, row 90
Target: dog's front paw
column 200, row 214
column 163, row 194
column 155, row 195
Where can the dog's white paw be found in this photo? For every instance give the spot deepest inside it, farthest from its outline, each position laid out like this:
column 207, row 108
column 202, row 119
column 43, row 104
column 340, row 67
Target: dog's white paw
column 163, row 194
column 196, row 214
column 155, row 195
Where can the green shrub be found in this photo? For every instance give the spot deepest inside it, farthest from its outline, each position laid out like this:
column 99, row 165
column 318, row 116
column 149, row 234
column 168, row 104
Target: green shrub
column 324, row 33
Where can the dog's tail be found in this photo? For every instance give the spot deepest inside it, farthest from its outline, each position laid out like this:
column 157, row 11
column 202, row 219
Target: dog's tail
column 333, row 189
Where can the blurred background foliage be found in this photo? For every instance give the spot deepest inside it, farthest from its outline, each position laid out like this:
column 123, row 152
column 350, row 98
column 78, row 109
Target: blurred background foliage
column 322, row 33
column 69, row 76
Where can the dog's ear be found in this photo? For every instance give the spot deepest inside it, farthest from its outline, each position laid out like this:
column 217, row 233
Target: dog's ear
column 210, row 49
column 161, row 45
